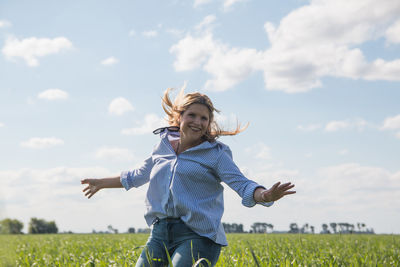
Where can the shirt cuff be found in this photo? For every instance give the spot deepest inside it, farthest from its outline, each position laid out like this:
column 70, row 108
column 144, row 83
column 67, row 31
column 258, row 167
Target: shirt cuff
column 248, row 199
column 124, row 180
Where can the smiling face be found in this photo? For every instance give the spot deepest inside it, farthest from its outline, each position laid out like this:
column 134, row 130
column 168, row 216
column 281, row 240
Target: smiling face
column 194, row 123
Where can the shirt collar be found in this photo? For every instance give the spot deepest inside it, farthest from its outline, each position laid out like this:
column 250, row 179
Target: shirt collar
column 204, row 145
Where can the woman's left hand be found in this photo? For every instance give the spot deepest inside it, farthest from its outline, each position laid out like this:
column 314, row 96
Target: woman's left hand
column 277, row 191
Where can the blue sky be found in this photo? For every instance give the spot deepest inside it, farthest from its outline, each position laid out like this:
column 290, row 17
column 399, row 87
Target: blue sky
column 317, row 81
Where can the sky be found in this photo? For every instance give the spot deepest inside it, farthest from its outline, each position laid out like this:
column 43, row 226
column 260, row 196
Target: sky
column 318, row 82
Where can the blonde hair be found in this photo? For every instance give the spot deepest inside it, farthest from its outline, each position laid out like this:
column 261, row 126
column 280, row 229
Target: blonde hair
column 181, row 104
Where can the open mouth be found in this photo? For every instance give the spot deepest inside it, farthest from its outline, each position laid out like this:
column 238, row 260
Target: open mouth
column 195, row 129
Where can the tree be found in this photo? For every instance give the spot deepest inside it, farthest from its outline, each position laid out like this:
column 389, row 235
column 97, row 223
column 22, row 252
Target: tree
column 325, row 229
column 40, row 226
column 227, row 227
column 294, row 228
column 11, row 226
column 131, row 230
column 304, row 229
column 351, row 228
column 333, row 226
column 112, row 229
column 361, row 227
column 259, row 227
column 233, row 228
column 343, row 227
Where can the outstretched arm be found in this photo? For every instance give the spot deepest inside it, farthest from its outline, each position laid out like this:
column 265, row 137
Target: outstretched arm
column 277, row 191
column 95, row 185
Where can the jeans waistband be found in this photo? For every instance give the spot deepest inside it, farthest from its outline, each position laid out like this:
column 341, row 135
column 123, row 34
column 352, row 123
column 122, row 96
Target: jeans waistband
column 167, row 219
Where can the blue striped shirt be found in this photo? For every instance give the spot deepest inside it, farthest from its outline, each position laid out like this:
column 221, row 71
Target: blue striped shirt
column 188, row 185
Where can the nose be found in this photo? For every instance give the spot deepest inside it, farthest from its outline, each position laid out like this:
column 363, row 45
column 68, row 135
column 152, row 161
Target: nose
column 197, row 120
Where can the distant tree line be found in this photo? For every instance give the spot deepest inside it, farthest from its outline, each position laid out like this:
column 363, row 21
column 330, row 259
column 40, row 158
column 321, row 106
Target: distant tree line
column 36, row 226
column 131, row 230
column 41, row 226
column 346, row 228
column 336, row 228
column 305, row 229
column 11, row 226
column 233, row 228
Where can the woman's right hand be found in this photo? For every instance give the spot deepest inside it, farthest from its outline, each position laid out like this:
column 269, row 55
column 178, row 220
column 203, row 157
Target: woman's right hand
column 92, row 188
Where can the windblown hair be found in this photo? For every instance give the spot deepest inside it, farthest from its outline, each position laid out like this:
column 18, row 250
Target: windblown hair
column 181, row 104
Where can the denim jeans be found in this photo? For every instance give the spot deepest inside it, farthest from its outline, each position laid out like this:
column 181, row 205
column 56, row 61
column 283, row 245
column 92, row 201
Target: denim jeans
column 184, row 246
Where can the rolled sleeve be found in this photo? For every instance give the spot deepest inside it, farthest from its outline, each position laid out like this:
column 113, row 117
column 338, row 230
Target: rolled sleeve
column 248, row 198
column 124, row 178
column 138, row 176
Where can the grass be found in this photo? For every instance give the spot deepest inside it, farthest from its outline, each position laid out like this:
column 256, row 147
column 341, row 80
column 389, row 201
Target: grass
column 243, row 250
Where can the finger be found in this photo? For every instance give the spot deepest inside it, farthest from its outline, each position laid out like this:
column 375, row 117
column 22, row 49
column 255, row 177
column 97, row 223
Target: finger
column 86, row 188
column 84, row 181
column 275, row 185
column 286, row 184
column 88, row 193
column 289, row 192
column 287, row 187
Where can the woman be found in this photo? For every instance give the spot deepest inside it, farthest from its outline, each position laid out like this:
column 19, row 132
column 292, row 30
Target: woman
column 185, row 196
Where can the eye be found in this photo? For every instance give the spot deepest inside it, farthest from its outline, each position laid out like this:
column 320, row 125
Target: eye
column 204, row 118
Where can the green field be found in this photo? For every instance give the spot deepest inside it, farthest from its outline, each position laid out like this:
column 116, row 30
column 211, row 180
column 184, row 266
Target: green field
column 243, row 250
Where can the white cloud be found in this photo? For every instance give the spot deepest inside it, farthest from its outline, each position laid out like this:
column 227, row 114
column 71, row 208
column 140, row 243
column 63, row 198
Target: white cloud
column 206, row 23
column 393, row 33
column 53, row 94
column 1, row 124
column 119, row 106
column 4, row 24
column 359, row 124
column 109, row 61
column 192, row 52
column 229, row 3
column 41, row 143
column 260, row 151
column 175, row 32
column 114, row 154
column 46, row 190
column 150, row 123
column 132, row 33
column 228, row 65
column 353, row 183
column 30, row 49
column 328, row 32
column 334, row 126
column 343, row 152
column 150, row 34
column 391, row 123
column 349, row 192
column 201, row 2
column 313, row 41
column 398, row 135
column 309, row 128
